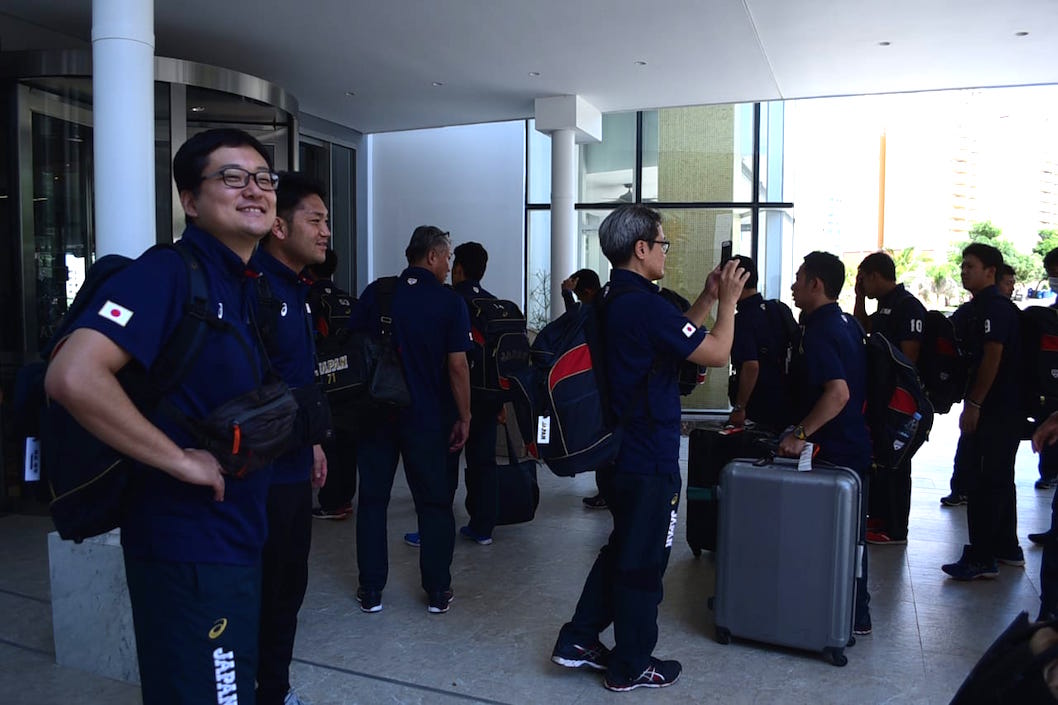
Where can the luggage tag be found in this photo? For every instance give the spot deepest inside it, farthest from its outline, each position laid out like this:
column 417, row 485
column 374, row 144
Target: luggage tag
column 731, row 430
column 804, row 461
column 32, row 464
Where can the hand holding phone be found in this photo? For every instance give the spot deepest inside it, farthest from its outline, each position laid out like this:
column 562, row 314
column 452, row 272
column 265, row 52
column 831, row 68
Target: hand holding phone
column 725, row 252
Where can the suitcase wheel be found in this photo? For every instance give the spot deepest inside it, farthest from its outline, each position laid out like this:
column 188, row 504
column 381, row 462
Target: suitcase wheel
column 697, row 551
column 852, row 641
column 723, row 636
column 837, row 655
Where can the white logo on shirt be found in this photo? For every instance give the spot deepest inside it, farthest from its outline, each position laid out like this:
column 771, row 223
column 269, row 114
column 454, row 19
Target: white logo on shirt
column 220, row 309
column 283, row 310
column 688, row 330
column 413, row 281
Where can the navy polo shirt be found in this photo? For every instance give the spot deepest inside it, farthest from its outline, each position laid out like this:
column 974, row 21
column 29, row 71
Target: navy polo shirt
column 899, row 316
column 429, row 322
column 754, row 333
column 644, row 330
column 170, row 520
column 995, row 319
column 832, row 348
column 293, row 353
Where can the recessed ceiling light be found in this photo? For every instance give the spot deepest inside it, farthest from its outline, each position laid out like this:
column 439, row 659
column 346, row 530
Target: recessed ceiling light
column 884, row 44
column 534, row 74
column 197, row 108
column 350, row 93
column 438, row 84
column 1021, row 34
column 639, row 62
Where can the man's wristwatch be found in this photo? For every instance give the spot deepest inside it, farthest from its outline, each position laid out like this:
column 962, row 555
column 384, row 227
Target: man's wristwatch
column 736, row 407
column 799, row 433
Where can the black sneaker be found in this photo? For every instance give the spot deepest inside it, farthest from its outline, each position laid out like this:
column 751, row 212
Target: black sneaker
column 370, row 600
column 659, row 674
column 1015, row 558
column 953, row 500
column 339, row 514
column 1046, row 483
column 1042, row 538
column 595, row 656
column 440, row 602
column 862, row 627
column 596, row 502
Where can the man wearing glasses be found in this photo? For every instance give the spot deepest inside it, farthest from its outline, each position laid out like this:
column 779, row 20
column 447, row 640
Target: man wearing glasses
column 192, row 538
column 646, row 339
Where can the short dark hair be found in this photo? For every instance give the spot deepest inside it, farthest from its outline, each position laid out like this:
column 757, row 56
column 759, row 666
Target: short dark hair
column 326, row 268
column 750, row 266
column 193, row 155
column 623, row 228
column 473, row 258
column 1005, row 270
column 879, row 263
column 425, row 239
column 293, row 188
column 827, row 268
column 1050, row 260
column 587, row 280
column 989, row 256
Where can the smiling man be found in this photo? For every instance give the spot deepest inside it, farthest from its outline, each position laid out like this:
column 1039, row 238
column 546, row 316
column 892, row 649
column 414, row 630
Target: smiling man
column 192, row 537
column 298, row 239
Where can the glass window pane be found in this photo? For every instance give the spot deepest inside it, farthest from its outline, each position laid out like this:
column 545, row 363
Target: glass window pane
column 538, row 281
column 539, row 167
column 772, row 164
column 775, row 263
column 696, row 154
column 606, row 169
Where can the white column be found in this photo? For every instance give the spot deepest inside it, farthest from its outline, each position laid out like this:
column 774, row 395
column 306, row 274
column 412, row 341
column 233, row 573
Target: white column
column 568, row 119
column 123, row 113
column 564, row 244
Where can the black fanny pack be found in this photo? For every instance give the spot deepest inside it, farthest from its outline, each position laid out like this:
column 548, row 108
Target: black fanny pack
column 313, row 424
column 250, row 431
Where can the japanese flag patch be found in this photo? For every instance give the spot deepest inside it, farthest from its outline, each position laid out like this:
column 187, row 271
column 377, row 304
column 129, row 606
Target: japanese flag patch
column 115, row 313
column 688, row 330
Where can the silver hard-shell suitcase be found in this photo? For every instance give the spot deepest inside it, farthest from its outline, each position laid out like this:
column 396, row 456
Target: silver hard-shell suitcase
column 788, row 553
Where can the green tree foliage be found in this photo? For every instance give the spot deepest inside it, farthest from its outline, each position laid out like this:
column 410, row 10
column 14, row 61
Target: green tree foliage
column 1048, row 241
column 1027, row 268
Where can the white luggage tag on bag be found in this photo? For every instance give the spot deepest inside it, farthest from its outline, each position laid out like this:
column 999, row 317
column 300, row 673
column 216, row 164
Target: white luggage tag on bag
column 804, row 461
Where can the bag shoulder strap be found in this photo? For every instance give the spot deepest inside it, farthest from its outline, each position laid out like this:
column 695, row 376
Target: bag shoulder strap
column 184, row 345
column 385, row 288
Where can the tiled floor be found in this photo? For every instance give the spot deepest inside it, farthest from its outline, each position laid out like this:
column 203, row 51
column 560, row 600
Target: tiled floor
column 511, row 597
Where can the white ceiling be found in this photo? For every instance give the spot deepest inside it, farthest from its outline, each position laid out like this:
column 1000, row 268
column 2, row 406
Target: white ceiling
column 389, row 53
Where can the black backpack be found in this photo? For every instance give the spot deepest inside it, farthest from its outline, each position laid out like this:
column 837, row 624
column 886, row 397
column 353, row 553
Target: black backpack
column 942, row 362
column 899, row 413
column 87, row 482
column 501, row 347
column 336, row 354
column 1009, row 673
column 780, row 354
column 1039, row 363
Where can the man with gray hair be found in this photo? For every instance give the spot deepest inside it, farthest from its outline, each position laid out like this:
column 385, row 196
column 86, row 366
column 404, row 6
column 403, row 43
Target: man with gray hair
column 646, row 339
column 431, row 329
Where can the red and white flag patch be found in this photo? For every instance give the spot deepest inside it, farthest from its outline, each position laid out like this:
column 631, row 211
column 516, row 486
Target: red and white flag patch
column 688, row 330
column 115, row 313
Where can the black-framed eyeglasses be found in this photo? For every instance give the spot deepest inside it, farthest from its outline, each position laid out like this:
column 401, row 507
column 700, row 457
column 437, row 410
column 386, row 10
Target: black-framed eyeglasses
column 665, row 244
column 237, row 177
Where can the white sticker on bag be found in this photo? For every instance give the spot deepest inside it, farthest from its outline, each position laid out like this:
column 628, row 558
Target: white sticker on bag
column 32, row 467
column 543, row 429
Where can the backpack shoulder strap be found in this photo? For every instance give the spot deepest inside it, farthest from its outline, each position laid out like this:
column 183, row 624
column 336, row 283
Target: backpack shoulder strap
column 185, row 343
column 385, row 288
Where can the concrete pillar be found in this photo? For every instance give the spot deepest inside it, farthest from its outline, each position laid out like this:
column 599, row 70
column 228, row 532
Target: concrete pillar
column 569, row 120
column 564, row 242
column 123, row 113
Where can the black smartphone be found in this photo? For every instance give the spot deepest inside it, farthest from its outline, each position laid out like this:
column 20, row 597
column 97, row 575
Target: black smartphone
column 725, row 252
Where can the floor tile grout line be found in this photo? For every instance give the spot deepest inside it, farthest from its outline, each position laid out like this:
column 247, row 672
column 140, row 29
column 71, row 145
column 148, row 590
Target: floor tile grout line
column 23, row 647
column 395, row 681
column 24, row 596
